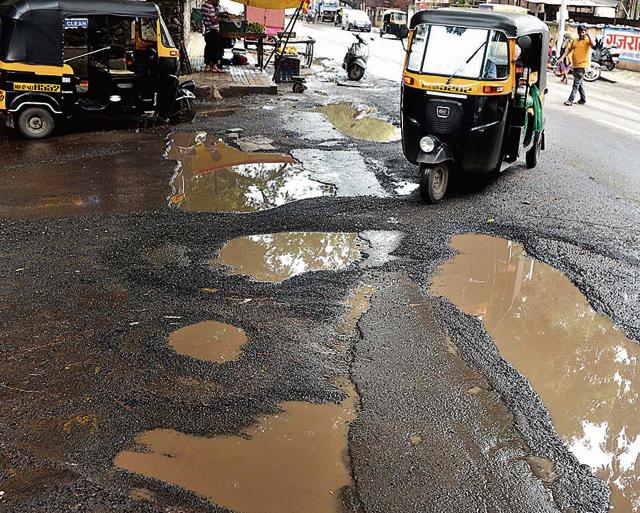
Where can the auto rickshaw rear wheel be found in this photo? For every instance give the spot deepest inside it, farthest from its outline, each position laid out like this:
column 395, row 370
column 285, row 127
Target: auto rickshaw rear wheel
column 35, row 122
column 434, row 180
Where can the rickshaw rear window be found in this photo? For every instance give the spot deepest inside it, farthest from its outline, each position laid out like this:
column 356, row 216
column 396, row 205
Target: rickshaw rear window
column 167, row 41
column 460, row 51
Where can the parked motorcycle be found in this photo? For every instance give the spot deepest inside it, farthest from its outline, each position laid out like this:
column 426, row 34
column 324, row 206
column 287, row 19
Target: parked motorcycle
column 607, row 57
column 355, row 61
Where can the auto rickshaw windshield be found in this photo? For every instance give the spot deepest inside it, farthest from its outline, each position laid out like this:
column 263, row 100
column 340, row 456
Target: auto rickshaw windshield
column 459, row 51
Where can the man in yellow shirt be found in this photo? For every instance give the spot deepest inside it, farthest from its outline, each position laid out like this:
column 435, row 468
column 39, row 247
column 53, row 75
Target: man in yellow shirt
column 580, row 49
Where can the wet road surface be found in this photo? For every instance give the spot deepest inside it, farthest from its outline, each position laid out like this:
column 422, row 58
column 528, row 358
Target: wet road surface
column 179, row 343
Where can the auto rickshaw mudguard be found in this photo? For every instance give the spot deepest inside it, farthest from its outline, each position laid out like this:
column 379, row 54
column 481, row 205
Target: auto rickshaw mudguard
column 442, row 153
column 37, row 100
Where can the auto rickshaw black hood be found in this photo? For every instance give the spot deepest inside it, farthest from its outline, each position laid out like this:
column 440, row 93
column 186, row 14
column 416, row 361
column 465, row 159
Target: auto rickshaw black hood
column 17, row 9
column 512, row 24
column 32, row 29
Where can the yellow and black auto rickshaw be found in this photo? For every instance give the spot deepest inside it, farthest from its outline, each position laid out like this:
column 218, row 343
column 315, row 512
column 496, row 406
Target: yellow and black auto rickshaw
column 63, row 58
column 472, row 93
column 394, row 22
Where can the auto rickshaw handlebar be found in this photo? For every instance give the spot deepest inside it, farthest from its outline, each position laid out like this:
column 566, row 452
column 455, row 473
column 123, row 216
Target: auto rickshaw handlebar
column 86, row 54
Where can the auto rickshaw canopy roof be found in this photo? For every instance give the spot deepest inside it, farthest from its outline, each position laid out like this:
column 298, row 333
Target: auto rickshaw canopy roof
column 511, row 23
column 19, row 9
column 32, row 30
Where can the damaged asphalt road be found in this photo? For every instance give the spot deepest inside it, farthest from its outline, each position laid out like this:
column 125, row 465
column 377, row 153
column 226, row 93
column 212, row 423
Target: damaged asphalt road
column 98, row 271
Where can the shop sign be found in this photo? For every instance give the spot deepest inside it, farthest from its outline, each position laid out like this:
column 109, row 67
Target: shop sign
column 626, row 39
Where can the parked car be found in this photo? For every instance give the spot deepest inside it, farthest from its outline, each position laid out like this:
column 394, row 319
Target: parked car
column 354, row 19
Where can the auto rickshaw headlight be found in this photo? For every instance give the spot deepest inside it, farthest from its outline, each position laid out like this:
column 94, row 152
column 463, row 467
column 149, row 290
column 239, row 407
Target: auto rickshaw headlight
column 427, row 144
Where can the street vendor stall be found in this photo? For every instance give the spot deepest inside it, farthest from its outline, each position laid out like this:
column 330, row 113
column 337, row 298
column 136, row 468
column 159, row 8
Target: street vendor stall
column 281, row 44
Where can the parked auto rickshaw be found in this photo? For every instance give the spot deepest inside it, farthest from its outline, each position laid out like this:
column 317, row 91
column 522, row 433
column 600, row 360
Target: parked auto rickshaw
column 394, row 22
column 63, row 58
column 472, row 94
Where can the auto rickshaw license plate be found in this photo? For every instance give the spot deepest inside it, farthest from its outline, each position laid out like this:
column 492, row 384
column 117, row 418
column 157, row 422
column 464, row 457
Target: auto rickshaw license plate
column 41, row 88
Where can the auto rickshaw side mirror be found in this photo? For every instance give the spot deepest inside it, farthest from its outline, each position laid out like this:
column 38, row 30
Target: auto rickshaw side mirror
column 524, row 42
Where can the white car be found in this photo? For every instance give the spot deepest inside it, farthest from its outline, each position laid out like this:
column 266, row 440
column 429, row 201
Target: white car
column 354, row 19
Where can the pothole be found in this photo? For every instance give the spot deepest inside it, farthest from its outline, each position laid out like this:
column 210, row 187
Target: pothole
column 293, row 461
column 358, row 122
column 209, row 340
column 581, row 365
column 276, row 257
column 214, row 177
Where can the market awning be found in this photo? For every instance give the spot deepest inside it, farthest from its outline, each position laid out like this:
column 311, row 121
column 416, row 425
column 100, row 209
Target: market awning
column 271, row 4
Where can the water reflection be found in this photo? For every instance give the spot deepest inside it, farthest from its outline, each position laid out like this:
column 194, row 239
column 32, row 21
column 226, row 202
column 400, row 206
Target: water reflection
column 214, row 177
column 291, row 462
column 276, row 257
column 357, row 121
column 209, row 340
column 581, row 365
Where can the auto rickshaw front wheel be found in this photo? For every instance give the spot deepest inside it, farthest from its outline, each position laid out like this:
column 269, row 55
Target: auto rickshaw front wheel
column 35, row 123
column 434, row 180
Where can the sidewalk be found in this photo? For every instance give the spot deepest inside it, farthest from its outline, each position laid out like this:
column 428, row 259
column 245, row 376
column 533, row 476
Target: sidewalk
column 235, row 81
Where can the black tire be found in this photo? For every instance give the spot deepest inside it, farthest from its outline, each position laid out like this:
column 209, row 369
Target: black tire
column 355, row 72
column 609, row 65
column 349, row 27
column 36, row 123
column 532, row 155
column 434, row 181
column 298, row 87
column 185, row 111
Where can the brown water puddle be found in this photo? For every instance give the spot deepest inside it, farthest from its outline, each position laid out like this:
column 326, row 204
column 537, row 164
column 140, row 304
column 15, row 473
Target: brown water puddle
column 209, row 340
column 276, row 257
column 295, row 461
column 214, row 177
column 358, row 122
column 580, row 364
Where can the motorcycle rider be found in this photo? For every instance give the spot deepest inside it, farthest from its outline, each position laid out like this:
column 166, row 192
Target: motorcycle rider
column 580, row 48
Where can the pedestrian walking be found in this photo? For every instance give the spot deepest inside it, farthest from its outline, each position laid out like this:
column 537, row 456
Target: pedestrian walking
column 580, row 49
column 213, row 41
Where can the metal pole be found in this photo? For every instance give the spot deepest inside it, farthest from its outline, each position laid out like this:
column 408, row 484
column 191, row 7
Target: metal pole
column 561, row 24
column 279, row 39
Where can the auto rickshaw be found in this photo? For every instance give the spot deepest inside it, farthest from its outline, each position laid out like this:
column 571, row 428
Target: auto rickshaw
column 472, row 94
column 63, row 58
column 394, row 22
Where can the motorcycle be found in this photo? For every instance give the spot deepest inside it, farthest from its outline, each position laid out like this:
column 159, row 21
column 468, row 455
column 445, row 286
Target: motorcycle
column 355, row 61
column 606, row 56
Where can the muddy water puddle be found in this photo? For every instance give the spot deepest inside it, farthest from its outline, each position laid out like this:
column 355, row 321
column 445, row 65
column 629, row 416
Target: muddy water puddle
column 581, row 365
column 276, row 257
column 214, row 177
column 358, row 121
column 209, row 340
column 289, row 462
